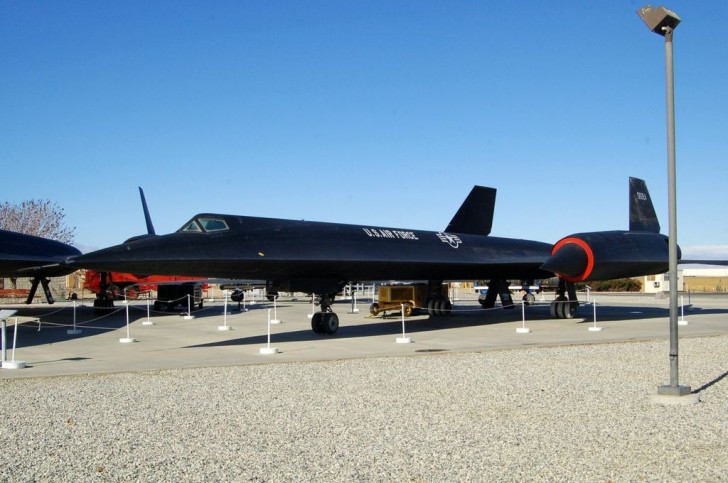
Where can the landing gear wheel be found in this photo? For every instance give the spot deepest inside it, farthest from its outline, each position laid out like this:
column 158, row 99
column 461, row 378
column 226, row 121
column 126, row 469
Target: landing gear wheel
column 330, row 323
column 444, row 306
column 563, row 309
column 432, row 307
column 317, row 324
column 553, row 311
column 568, row 310
column 529, row 298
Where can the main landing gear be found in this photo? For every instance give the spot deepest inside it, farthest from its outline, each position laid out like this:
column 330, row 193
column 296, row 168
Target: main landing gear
column 438, row 302
column 497, row 288
column 46, row 290
column 325, row 321
column 564, row 307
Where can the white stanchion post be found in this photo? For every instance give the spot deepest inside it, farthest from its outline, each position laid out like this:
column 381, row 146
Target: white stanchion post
column 594, row 327
column 211, row 293
column 4, row 343
column 12, row 363
column 74, row 331
column 275, row 319
column 313, row 306
column 404, row 339
column 189, row 315
column 4, row 316
column 682, row 320
column 224, row 325
column 148, row 321
column 354, row 309
column 268, row 350
column 523, row 329
column 128, row 339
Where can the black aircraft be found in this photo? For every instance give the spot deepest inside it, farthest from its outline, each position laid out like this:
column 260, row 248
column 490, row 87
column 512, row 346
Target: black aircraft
column 31, row 256
column 320, row 258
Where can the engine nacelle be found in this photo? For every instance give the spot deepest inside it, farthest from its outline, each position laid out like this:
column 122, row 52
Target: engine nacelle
column 606, row 255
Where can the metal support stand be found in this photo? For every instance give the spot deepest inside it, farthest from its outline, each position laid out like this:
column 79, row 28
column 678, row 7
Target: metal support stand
column 523, row 329
column 189, row 315
column 682, row 320
column 12, row 363
column 404, row 339
column 594, row 327
column 148, row 321
column 224, row 325
column 128, row 339
column 354, row 308
column 275, row 320
column 313, row 306
column 268, row 350
column 74, row 331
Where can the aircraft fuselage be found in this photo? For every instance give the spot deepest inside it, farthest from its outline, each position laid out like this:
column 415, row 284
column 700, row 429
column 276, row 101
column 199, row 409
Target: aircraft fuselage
column 309, row 253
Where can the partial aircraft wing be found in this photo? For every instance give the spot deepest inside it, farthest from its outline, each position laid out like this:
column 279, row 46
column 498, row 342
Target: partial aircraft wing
column 31, row 256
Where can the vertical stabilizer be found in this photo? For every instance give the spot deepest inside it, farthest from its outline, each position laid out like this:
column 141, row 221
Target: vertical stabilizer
column 642, row 216
column 147, row 217
column 475, row 216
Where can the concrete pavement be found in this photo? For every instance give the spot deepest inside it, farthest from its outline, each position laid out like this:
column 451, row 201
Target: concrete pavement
column 174, row 342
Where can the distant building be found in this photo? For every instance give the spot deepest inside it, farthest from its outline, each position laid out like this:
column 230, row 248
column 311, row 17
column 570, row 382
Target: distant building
column 660, row 283
column 689, row 280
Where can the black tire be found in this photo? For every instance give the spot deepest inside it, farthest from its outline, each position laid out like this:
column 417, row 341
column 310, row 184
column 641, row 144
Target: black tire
column 564, row 309
column 317, row 323
column 432, row 307
column 330, row 323
column 529, row 298
column 444, row 307
column 569, row 309
column 374, row 309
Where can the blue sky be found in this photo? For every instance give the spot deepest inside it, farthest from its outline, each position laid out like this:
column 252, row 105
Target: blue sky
column 369, row 112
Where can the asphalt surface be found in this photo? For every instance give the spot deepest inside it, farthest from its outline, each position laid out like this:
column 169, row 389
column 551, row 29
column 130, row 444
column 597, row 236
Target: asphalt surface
column 174, row 342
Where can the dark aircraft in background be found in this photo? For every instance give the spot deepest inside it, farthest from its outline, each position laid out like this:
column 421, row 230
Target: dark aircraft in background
column 35, row 257
column 320, row 258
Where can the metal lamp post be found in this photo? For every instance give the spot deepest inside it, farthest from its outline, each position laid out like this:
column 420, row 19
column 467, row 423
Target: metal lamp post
column 663, row 22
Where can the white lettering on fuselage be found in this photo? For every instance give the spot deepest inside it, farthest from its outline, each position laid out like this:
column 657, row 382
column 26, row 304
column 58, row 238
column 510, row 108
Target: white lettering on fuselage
column 395, row 234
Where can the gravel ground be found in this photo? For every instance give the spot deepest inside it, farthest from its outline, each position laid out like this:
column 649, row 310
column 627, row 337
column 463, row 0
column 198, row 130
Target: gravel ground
column 577, row 413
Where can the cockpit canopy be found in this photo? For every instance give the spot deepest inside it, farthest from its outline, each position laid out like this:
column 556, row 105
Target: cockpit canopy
column 205, row 224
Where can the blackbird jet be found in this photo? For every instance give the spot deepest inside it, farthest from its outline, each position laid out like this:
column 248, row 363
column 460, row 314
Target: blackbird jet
column 31, row 256
column 320, row 258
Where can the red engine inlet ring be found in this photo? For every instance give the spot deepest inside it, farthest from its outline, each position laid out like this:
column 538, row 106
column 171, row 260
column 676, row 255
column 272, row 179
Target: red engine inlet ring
column 589, row 256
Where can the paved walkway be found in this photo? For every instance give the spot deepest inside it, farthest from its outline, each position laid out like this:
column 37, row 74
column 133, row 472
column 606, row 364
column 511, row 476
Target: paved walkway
column 175, row 342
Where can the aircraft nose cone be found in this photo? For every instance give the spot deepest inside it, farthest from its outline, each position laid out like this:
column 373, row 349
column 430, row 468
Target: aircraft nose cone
column 570, row 260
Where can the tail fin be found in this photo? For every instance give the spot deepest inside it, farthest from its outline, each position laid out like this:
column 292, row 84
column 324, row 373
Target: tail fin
column 475, row 216
column 642, row 216
column 147, row 217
